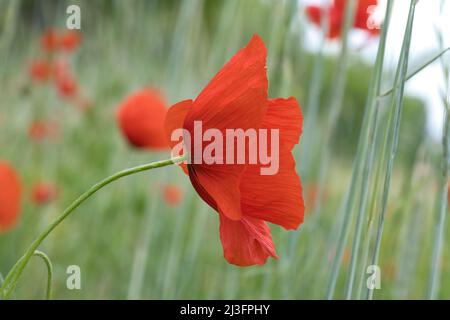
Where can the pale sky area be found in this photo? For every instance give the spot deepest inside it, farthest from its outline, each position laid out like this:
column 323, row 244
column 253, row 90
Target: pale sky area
column 428, row 85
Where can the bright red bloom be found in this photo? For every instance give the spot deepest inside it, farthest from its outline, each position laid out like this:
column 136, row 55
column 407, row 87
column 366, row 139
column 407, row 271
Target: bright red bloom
column 172, row 195
column 236, row 98
column 50, row 40
column 40, row 70
column 141, row 119
column 44, row 193
column 10, row 196
column 336, row 14
column 70, row 40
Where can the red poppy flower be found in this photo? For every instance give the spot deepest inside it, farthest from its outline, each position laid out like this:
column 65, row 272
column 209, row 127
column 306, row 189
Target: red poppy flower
column 40, row 70
column 40, row 130
column 236, row 98
column 362, row 16
column 43, row 193
column 66, row 85
column 70, row 40
column 336, row 14
column 335, row 19
column 10, row 195
column 49, row 40
column 172, row 195
column 141, row 118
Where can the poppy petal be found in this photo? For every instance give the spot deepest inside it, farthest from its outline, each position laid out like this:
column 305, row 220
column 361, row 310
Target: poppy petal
column 174, row 120
column 219, row 187
column 277, row 198
column 286, row 116
column 246, row 242
column 314, row 14
column 236, row 98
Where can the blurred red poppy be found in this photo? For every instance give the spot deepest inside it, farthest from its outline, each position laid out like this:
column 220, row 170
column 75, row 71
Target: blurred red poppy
column 10, row 196
column 236, row 98
column 335, row 19
column 336, row 16
column 40, row 130
column 141, row 118
column 66, row 85
column 40, row 70
column 172, row 194
column 49, row 40
column 70, row 40
column 43, row 193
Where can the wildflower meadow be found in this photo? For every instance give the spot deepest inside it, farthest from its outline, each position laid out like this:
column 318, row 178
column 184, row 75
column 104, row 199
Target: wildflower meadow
column 224, row 149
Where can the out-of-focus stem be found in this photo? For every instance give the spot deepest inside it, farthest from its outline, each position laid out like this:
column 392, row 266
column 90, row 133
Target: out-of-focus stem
column 440, row 226
column 13, row 276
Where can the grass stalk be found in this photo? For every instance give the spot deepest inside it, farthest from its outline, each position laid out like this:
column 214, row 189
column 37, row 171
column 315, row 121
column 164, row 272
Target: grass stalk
column 436, row 258
column 362, row 145
column 368, row 150
column 393, row 130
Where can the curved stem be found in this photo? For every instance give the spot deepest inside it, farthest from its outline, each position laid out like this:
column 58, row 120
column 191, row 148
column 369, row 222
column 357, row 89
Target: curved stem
column 48, row 263
column 13, row 276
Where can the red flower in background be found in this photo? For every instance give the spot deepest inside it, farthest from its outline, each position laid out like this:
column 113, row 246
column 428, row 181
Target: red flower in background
column 141, row 118
column 65, row 83
column 10, row 195
column 52, row 40
column 335, row 19
column 70, row 40
column 49, row 40
column 40, row 70
column 172, row 195
column 58, row 67
column 40, row 130
column 43, row 193
column 66, row 86
column 237, row 98
column 363, row 12
column 336, row 14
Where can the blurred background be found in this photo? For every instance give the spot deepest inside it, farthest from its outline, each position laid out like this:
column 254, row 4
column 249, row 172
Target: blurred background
column 150, row 235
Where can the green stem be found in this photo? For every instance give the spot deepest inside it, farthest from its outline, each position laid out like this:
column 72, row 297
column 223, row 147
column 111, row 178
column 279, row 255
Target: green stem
column 412, row 74
column 14, row 274
column 368, row 117
column 49, row 265
column 368, row 151
column 394, row 128
column 439, row 234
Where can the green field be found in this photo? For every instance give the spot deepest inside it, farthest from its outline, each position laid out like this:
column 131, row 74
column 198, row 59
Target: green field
column 130, row 243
